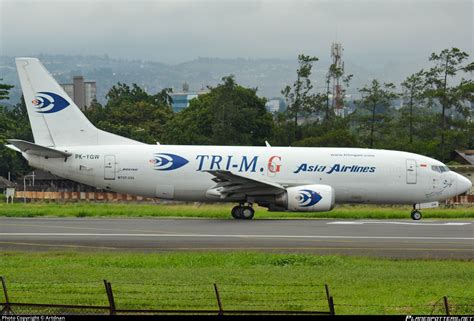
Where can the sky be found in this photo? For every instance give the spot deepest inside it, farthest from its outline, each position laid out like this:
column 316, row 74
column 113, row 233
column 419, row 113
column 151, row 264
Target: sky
column 182, row 30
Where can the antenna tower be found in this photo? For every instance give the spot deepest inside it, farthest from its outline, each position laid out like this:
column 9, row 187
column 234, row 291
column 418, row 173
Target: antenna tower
column 338, row 65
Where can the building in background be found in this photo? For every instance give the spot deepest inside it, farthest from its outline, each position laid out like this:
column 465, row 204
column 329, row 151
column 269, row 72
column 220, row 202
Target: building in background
column 83, row 93
column 181, row 99
column 274, row 105
column 465, row 165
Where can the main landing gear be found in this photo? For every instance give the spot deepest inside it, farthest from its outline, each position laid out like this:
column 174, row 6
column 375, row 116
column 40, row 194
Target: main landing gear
column 243, row 212
column 415, row 214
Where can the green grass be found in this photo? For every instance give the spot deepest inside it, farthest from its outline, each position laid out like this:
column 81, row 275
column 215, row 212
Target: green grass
column 215, row 211
column 246, row 281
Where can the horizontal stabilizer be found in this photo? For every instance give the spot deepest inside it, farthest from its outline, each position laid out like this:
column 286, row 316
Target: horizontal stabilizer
column 34, row 149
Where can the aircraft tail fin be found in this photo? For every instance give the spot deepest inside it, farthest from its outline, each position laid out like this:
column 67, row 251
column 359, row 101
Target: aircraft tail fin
column 55, row 118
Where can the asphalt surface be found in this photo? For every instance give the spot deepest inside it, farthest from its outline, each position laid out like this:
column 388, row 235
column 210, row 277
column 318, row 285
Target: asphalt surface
column 384, row 238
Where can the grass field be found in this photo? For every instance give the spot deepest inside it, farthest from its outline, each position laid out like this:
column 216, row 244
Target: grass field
column 215, row 211
column 245, row 280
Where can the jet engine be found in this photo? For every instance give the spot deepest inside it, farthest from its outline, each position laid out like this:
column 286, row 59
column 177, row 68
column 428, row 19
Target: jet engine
column 307, row 198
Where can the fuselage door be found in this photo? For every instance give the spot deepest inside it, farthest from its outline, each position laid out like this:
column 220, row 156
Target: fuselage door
column 411, row 171
column 109, row 167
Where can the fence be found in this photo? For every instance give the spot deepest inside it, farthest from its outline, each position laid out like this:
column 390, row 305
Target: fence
column 82, row 196
column 173, row 297
column 207, row 299
column 117, row 197
column 460, row 200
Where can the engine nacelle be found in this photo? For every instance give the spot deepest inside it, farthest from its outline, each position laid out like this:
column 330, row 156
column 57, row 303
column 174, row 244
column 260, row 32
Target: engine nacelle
column 307, row 198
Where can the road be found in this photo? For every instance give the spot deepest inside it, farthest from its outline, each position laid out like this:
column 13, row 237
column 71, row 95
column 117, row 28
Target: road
column 384, row 238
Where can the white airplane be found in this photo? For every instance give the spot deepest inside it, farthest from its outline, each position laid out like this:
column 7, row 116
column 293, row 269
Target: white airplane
column 279, row 178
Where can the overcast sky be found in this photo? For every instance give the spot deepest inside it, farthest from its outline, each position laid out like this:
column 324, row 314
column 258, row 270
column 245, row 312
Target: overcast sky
column 177, row 31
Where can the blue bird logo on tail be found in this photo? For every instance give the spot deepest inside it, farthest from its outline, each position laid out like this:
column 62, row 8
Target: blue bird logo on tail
column 308, row 198
column 48, row 102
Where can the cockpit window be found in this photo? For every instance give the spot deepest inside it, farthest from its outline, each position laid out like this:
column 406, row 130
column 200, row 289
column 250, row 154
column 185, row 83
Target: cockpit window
column 440, row 169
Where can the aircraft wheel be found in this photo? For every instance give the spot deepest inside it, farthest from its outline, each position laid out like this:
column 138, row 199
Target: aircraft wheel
column 247, row 212
column 416, row 215
column 236, row 212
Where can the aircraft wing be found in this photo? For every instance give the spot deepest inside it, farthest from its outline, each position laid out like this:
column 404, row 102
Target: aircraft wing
column 233, row 185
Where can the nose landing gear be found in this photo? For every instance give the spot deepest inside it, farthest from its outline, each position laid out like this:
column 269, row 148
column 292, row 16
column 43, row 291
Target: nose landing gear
column 243, row 212
column 415, row 214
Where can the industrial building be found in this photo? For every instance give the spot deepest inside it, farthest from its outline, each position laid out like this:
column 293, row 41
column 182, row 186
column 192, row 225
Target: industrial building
column 181, row 99
column 83, row 93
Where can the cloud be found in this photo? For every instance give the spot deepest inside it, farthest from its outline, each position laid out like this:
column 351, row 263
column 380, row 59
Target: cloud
column 175, row 31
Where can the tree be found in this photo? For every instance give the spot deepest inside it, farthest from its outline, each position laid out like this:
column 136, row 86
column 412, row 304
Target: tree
column 413, row 93
column 376, row 99
column 4, row 91
column 447, row 64
column 122, row 92
column 334, row 133
column 228, row 115
column 133, row 113
column 300, row 99
column 13, row 124
column 19, row 116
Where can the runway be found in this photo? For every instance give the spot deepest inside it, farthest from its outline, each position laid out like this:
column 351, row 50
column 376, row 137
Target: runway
column 384, row 238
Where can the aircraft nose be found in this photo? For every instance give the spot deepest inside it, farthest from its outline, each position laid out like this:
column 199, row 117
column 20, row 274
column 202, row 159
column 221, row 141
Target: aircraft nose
column 463, row 184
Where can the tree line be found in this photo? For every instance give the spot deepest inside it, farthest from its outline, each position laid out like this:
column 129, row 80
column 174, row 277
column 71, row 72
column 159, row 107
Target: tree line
column 435, row 119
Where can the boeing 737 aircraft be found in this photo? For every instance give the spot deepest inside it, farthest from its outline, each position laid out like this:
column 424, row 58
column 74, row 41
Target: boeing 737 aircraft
column 279, row 178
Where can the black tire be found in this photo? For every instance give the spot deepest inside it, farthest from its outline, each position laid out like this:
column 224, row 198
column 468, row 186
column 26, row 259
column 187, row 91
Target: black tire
column 416, row 215
column 247, row 212
column 235, row 212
